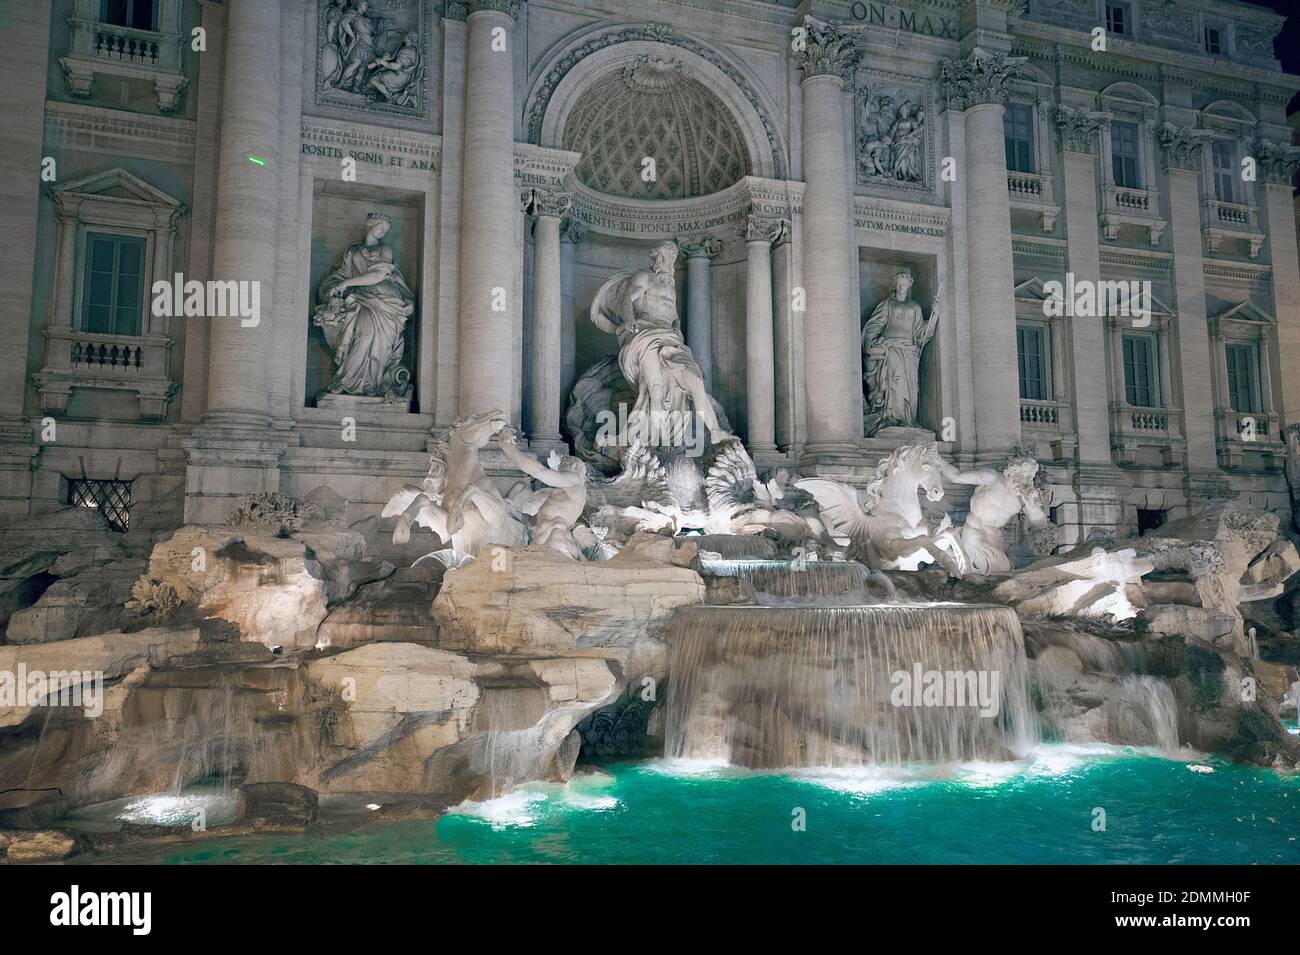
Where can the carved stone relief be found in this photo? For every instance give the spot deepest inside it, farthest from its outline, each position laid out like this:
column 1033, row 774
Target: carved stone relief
column 372, row 55
column 892, row 122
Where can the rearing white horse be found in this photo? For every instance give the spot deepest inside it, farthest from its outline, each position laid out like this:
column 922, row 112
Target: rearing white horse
column 885, row 527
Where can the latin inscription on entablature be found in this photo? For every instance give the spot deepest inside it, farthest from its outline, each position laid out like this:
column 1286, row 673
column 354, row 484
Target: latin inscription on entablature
column 368, row 147
column 897, row 18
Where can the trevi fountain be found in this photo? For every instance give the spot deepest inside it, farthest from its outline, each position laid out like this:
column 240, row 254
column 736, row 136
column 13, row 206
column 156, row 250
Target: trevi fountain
column 593, row 634
column 580, row 431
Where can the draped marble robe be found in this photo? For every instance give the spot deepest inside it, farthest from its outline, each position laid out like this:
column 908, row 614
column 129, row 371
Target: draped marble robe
column 368, row 342
column 892, row 342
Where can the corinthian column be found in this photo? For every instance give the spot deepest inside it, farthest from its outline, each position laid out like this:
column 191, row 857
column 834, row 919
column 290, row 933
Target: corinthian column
column 1181, row 162
column 1277, row 162
column 544, row 417
column 244, row 243
column 831, row 352
column 760, row 361
column 976, row 86
column 700, row 251
column 488, row 211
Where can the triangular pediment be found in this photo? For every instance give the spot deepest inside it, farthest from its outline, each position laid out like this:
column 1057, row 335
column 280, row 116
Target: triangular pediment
column 117, row 183
column 1032, row 290
column 1243, row 312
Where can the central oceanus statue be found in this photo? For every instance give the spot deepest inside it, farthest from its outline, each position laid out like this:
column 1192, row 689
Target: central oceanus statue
column 640, row 307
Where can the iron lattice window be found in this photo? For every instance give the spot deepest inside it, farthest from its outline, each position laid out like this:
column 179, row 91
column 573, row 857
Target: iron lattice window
column 110, row 498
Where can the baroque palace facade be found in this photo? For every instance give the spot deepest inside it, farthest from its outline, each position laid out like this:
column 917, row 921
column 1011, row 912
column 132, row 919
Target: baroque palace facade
column 500, row 159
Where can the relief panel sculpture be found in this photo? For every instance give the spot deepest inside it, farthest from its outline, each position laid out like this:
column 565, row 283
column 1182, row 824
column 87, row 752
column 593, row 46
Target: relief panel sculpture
column 372, row 55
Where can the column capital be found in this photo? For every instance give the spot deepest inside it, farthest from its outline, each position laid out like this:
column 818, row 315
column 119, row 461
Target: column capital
column 758, row 228
column 1277, row 161
column 1077, row 129
column 573, row 231
column 461, row 9
column 699, row 246
column 1180, row 147
column 825, row 49
column 976, row 79
column 539, row 203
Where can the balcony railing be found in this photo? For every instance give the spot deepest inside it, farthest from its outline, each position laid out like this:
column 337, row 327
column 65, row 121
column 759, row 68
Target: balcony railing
column 1125, row 205
column 1227, row 221
column 1149, row 420
column 1039, row 413
column 126, row 44
column 1033, row 192
column 108, row 353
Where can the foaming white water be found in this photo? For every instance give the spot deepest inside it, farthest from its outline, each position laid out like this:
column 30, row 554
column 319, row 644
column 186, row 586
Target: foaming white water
column 177, row 810
column 526, row 806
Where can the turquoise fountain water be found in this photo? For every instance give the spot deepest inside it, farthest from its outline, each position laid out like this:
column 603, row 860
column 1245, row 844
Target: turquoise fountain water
column 1037, row 810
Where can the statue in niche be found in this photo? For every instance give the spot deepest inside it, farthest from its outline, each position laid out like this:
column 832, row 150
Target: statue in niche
column 891, row 138
column 892, row 341
column 640, row 307
column 364, row 306
column 998, row 497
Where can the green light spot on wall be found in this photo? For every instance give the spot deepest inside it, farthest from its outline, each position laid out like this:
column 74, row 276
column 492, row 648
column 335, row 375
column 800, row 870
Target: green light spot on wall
column 257, row 160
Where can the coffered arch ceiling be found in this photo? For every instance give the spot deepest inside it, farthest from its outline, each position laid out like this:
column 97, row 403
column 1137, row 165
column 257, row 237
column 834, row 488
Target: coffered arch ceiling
column 653, row 107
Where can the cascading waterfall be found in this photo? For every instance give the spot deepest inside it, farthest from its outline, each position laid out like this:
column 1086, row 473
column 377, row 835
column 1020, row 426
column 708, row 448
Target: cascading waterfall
column 1147, row 704
column 813, row 580
column 775, row 687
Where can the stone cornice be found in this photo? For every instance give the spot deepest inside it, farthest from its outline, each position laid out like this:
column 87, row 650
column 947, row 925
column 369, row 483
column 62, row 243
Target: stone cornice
column 975, row 80
column 827, row 50
column 1145, row 61
column 121, row 133
column 351, row 135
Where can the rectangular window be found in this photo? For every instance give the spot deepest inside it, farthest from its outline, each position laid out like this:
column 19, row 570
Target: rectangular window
column 136, row 14
column 1140, row 387
column 1213, row 40
column 1124, row 154
column 1032, row 361
column 111, row 498
column 1242, row 391
column 1222, row 160
column 113, row 295
column 1018, row 130
column 1117, row 18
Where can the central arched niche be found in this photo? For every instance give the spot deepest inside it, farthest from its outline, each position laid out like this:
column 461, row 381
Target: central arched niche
column 652, row 108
